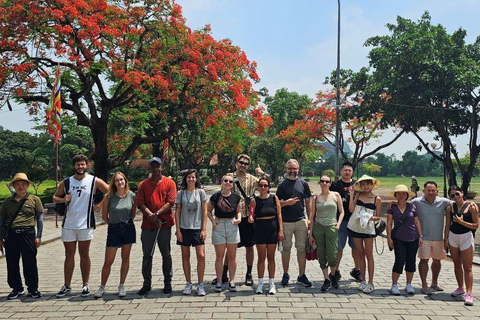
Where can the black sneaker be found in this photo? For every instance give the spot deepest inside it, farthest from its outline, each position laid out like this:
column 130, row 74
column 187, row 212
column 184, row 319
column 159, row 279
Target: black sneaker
column 326, row 285
column 285, row 279
column 35, row 294
column 144, row 290
column 168, row 288
column 333, row 280
column 303, row 280
column 248, row 280
column 356, row 274
column 224, row 280
column 63, row 292
column 16, row 293
column 232, row 287
column 338, row 276
column 85, row 290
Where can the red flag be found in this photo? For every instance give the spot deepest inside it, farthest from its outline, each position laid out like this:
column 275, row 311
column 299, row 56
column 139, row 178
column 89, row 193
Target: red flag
column 54, row 124
column 165, row 151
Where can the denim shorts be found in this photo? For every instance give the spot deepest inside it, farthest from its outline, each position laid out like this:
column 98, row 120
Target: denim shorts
column 120, row 234
column 225, row 233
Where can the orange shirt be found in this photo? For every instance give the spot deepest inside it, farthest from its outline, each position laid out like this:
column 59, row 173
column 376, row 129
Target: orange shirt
column 154, row 196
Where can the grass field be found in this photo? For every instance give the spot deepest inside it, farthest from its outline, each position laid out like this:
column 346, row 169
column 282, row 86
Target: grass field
column 5, row 192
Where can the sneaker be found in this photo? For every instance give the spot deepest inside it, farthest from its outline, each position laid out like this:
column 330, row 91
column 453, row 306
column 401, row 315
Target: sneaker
column 16, row 293
column 121, row 290
column 63, row 292
column 99, row 293
column 167, row 288
column 327, row 284
column 272, row 289
column 248, row 280
column 218, row 287
column 468, row 299
column 259, row 289
column 188, row 289
column 224, row 280
column 394, row 290
column 285, row 279
column 369, row 288
column 458, row 293
column 144, row 290
column 333, row 280
column 232, row 287
column 362, row 286
column 303, row 280
column 201, row 290
column 338, row 276
column 409, row 288
column 85, row 290
column 34, row 294
column 356, row 274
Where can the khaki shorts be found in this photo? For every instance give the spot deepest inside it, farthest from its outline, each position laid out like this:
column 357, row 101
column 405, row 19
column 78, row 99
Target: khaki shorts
column 432, row 249
column 300, row 230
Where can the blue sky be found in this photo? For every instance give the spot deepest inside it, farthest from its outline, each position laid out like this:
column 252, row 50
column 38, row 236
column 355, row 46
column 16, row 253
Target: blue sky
column 294, row 42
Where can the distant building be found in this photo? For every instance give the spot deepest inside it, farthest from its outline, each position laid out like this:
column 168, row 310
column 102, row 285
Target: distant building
column 1, row 128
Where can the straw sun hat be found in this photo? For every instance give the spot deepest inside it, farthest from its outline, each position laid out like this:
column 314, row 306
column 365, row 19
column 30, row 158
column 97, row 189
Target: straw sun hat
column 376, row 183
column 401, row 188
column 20, row 177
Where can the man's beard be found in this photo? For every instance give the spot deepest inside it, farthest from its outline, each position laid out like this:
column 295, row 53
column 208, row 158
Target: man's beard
column 79, row 172
column 292, row 175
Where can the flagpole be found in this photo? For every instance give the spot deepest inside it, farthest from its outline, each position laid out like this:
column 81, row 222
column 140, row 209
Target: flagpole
column 56, row 178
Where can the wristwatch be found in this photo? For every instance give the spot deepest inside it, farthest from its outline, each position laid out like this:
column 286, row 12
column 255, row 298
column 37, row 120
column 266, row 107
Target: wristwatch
column 157, row 213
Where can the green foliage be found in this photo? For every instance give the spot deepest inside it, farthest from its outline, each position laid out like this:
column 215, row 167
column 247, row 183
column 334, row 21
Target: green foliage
column 371, row 168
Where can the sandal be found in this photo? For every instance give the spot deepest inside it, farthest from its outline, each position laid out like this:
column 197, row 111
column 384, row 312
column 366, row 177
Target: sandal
column 426, row 290
column 437, row 287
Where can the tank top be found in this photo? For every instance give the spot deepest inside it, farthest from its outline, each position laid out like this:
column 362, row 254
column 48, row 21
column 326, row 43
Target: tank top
column 457, row 228
column 326, row 212
column 362, row 208
column 265, row 207
column 80, row 209
column 120, row 208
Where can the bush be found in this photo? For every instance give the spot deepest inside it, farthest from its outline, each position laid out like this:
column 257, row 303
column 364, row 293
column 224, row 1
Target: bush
column 133, row 186
column 330, row 173
column 205, row 180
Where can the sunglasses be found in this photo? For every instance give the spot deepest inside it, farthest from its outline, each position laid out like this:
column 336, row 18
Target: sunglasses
column 228, row 181
column 456, row 194
column 244, row 163
column 325, row 181
column 263, row 185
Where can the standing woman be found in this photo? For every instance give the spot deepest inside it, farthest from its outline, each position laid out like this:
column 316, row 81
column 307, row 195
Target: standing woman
column 266, row 212
column 118, row 211
column 324, row 230
column 191, row 217
column 461, row 223
column 405, row 238
column 366, row 208
column 225, row 234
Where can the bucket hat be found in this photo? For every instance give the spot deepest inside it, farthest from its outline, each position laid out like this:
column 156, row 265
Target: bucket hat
column 20, row 177
column 401, row 188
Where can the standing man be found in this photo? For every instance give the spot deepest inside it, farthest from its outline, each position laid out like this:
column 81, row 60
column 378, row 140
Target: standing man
column 431, row 213
column 155, row 198
column 79, row 222
column 18, row 216
column 294, row 195
column 342, row 186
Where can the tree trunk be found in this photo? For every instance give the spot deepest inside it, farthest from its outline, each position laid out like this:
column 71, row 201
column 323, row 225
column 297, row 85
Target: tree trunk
column 100, row 154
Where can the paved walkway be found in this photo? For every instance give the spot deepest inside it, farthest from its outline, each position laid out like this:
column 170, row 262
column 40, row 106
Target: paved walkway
column 292, row 302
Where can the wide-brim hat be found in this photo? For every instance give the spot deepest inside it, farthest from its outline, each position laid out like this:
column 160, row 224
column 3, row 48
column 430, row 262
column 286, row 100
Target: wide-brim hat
column 401, row 188
column 20, row 177
column 376, row 183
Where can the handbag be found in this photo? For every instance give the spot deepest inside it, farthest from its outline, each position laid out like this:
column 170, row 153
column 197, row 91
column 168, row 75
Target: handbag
column 6, row 226
column 311, row 250
column 62, row 208
column 380, row 226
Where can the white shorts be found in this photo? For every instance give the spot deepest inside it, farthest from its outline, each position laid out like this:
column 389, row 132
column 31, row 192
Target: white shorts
column 462, row 241
column 72, row 235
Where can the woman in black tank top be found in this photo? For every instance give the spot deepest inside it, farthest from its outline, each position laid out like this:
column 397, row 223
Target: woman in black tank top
column 460, row 226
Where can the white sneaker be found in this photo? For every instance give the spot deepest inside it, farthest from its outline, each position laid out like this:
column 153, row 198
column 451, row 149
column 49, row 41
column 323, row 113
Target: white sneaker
column 369, row 288
column 201, row 290
column 362, row 286
column 188, row 289
column 409, row 288
column 272, row 289
column 121, row 290
column 394, row 290
column 259, row 289
column 100, row 292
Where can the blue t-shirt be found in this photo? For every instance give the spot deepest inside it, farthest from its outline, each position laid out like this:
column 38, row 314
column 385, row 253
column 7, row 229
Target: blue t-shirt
column 292, row 189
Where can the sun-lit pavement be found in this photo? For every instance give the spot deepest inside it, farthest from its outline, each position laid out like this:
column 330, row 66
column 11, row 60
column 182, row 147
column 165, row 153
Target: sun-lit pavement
column 291, row 302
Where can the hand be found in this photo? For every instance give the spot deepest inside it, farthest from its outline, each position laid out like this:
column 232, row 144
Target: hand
column 214, row 224
column 203, row 235
column 420, row 242
column 311, row 240
column 337, row 226
column 389, row 206
column 351, row 190
column 281, row 236
column 68, row 197
column 38, row 242
column 1, row 248
column 458, row 219
column 445, row 244
column 291, row 201
column 250, row 219
column 390, row 243
column 179, row 236
column 236, row 221
column 152, row 218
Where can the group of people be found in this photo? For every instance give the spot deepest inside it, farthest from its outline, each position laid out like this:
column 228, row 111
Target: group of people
column 243, row 214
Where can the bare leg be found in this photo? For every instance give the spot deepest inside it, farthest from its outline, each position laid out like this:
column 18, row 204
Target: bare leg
column 83, row 250
column 458, row 267
column 285, row 262
column 436, row 267
column 409, row 277
column 361, row 255
column 232, row 261
column 107, row 265
column 69, row 265
column 200, row 250
column 369, row 255
column 271, row 259
column 262, row 253
column 423, row 271
column 249, row 255
column 302, row 262
column 125, row 262
column 186, row 263
column 219, row 255
column 467, row 261
column 395, row 277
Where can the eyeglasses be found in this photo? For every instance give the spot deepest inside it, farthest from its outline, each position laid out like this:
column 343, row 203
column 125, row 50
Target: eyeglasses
column 456, row 194
column 294, row 168
column 263, row 185
column 243, row 163
column 227, row 181
column 325, row 181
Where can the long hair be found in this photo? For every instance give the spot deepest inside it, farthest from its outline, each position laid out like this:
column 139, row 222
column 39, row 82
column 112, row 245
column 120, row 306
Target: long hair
column 113, row 188
column 183, row 185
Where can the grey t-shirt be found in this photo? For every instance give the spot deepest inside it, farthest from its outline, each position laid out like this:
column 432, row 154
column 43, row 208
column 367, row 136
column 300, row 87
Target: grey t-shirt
column 432, row 217
column 191, row 215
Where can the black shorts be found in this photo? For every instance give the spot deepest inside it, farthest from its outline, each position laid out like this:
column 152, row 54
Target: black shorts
column 246, row 233
column 191, row 238
column 354, row 234
column 120, row 234
column 266, row 231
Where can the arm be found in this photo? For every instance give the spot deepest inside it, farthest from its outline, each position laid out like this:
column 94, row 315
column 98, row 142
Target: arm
column 203, row 233
column 281, row 235
column 289, row 202
column 474, row 224
column 308, row 206
column 134, row 207
column 251, row 215
column 238, row 216
column 447, row 226
column 60, row 196
column 340, row 209
column 419, row 229
column 38, row 238
column 353, row 200
column 101, row 185
column 389, row 229
column 210, row 215
column 178, row 212
column 312, row 201
column 105, row 211
column 378, row 210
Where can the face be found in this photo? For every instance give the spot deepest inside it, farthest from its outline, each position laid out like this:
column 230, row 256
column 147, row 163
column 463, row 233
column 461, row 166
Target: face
column 227, row 182
column 292, row 170
column 119, row 181
column 242, row 164
column 346, row 173
column 191, row 178
column 456, row 195
column 20, row 187
column 263, row 186
column 156, row 168
column 366, row 185
column 325, row 182
column 80, row 167
column 430, row 191
column 401, row 196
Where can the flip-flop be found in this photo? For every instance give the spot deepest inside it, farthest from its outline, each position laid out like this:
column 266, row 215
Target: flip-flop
column 437, row 287
column 426, row 290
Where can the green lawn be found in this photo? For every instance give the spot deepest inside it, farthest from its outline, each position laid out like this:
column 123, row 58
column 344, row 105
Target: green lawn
column 4, row 192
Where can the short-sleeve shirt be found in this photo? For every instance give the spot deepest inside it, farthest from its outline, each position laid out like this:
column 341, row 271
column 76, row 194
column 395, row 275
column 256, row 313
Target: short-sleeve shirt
column 292, row 189
column 225, row 207
column 407, row 231
column 249, row 185
column 120, row 208
column 342, row 187
column 432, row 217
column 154, row 195
column 191, row 215
column 26, row 218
